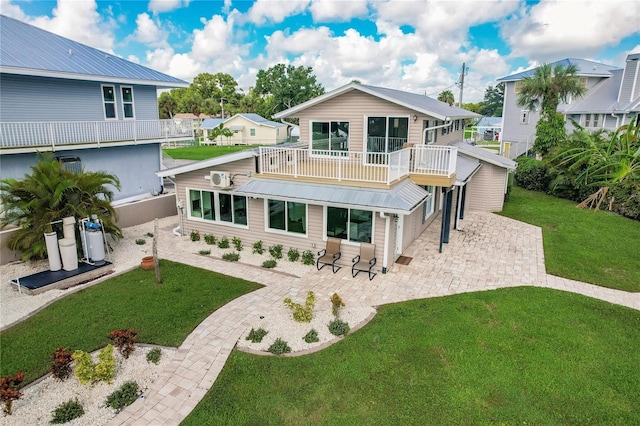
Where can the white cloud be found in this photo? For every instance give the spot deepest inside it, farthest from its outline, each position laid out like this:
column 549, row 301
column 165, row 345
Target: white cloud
column 179, row 65
column 337, row 10
column 159, row 6
column 214, row 39
column 552, row 30
column 148, row 32
column 264, row 11
column 12, row 10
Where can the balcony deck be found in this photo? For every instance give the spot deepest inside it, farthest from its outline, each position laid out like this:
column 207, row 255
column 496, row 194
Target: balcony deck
column 18, row 137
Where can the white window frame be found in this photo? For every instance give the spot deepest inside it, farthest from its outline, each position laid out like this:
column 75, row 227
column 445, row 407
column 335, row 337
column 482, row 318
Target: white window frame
column 252, row 132
column 286, row 210
column 216, row 208
column 105, row 102
column 596, row 119
column 587, row 120
column 132, row 103
column 325, row 222
column 525, row 116
column 329, row 121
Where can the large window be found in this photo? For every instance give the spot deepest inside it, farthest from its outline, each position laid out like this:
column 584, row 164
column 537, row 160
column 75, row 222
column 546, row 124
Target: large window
column 109, row 100
column 127, row 102
column 387, row 134
column 350, row 224
column 217, row 206
column 287, row 216
column 330, row 135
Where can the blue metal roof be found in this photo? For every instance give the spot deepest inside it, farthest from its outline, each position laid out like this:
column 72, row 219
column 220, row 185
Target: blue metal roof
column 210, row 123
column 28, row 50
column 585, row 69
column 258, row 119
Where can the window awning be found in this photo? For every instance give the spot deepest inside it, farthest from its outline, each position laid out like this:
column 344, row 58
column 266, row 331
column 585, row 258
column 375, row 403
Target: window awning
column 403, row 198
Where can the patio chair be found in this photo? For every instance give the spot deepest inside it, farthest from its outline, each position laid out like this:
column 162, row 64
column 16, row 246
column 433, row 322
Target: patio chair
column 330, row 254
column 365, row 261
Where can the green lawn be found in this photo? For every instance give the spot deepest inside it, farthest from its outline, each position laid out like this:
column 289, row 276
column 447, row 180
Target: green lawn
column 510, row 356
column 597, row 247
column 203, row 152
column 161, row 314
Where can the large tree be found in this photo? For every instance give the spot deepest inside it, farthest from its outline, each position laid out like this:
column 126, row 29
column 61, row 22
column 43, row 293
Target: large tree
column 492, row 102
column 288, row 85
column 446, row 96
column 167, row 105
column 51, row 193
column 545, row 89
column 215, row 89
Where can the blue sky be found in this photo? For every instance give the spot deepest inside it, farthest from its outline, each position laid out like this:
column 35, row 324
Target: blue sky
column 412, row 45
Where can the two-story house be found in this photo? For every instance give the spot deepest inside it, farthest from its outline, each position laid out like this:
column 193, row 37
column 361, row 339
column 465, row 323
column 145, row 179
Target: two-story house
column 612, row 99
column 94, row 110
column 372, row 165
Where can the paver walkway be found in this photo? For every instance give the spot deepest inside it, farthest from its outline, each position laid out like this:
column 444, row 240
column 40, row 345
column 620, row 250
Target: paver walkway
column 489, row 252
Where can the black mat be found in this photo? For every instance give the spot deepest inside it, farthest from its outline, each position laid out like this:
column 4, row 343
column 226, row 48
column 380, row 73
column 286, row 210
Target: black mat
column 45, row 278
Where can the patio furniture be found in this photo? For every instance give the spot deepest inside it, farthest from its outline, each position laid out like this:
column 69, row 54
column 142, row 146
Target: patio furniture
column 330, row 254
column 365, row 261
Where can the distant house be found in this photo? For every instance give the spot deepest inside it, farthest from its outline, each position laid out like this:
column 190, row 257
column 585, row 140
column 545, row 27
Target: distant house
column 612, row 99
column 248, row 129
column 373, row 165
column 95, row 111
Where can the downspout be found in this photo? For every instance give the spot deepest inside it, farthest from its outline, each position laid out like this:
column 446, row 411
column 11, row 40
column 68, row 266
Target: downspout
column 387, row 228
column 424, row 132
column 289, row 124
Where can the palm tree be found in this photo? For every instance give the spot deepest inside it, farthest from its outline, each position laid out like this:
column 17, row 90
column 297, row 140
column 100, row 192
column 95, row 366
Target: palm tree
column 546, row 88
column 49, row 194
column 446, row 96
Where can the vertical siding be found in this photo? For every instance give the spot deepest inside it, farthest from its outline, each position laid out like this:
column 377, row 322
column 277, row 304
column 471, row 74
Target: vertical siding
column 485, row 190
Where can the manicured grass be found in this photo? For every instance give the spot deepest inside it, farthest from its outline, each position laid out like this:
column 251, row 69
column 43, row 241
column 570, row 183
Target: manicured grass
column 597, row 247
column 161, row 314
column 203, row 152
column 510, row 356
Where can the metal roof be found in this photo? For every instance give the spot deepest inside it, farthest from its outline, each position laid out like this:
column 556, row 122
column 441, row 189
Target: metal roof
column 210, row 162
column 490, row 122
column 28, row 50
column 585, row 69
column 258, row 119
column 603, row 97
column 210, row 123
column 465, row 169
column 412, row 101
column 401, row 199
column 484, row 155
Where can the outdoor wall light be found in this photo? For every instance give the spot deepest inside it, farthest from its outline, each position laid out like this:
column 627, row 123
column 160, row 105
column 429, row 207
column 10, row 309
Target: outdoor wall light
column 415, row 117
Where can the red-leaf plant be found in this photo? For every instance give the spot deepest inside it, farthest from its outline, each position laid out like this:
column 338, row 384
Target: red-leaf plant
column 124, row 340
column 9, row 391
column 61, row 363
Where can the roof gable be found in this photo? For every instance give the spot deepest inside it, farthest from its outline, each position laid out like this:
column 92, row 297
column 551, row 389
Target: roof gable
column 28, row 50
column 257, row 119
column 585, row 69
column 412, row 101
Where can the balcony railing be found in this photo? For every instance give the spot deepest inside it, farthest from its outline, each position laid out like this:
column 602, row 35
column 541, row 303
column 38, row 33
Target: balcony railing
column 52, row 134
column 375, row 167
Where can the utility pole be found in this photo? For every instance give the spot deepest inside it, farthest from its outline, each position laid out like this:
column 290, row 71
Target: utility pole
column 461, row 84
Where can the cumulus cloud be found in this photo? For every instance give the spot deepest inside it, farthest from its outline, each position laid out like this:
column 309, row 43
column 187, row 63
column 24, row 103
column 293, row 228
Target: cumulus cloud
column 12, row 10
column 148, row 32
column 179, row 65
column 337, row 10
column 159, row 6
column 264, row 11
column 552, row 30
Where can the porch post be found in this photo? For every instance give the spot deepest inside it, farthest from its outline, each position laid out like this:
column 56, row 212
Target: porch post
column 457, row 212
column 462, row 200
column 447, row 219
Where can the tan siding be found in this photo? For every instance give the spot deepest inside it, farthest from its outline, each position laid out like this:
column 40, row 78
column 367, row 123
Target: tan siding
column 485, row 191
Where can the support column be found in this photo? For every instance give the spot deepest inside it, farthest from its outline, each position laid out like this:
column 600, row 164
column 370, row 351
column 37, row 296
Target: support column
column 446, row 218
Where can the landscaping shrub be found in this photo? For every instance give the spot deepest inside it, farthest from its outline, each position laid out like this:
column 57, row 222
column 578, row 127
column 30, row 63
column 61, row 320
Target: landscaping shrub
column 66, row 412
column 125, row 340
column 106, row 366
column 84, row 366
column 194, row 235
column 279, row 347
column 154, row 355
column 276, row 251
column 141, row 241
column 302, row 313
column 223, row 243
column 531, row 174
column 269, row 263
column 61, row 363
column 311, row 336
column 9, row 390
column 209, row 239
column 237, row 243
column 336, row 304
column 256, row 335
column 293, row 254
column 149, row 234
column 308, row 258
column 204, row 252
column 337, row 327
column 124, row 396
column 257, row 247
column 231, row 257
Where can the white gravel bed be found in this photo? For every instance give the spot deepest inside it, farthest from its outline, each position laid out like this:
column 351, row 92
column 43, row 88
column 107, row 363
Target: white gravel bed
column 281, row 325
column 42, row 398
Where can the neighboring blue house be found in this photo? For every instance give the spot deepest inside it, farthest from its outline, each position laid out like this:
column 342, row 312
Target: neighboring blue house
column 95, row 111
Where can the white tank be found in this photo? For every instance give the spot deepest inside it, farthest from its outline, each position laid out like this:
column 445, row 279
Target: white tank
column 53, row 252
column 68, row 227
column 68, row 254
column 96, row 245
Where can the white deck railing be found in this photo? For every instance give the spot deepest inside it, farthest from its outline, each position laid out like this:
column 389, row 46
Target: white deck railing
column 40, row 134
column 358, row 166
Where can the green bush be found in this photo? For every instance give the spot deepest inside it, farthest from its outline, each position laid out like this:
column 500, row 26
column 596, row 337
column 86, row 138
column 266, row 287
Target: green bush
column 204, row 252
column 293, row 254
column 231, row 257
column 311, row 336
column 279, row 347
column 257, row 247
column 336, row 304
column 308, row 258
column 83, row 366
column 223, row 243
column 337, row 327
column 123, row 397
column 256, row 335
column 209, row 239
column 194, row 235
column 531, row 174
column 66, row 412
column 276, row 251
column 141, row 241
column 237, row 243
column 302, row 313
column 269, row 263
column 149, row 234
column 154, row 355
column 106, row 366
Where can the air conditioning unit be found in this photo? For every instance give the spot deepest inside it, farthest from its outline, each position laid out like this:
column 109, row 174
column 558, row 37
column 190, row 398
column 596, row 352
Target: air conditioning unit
column 220, row 179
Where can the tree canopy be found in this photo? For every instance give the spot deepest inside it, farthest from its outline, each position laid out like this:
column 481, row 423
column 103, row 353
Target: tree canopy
column 492, row 102
column 446, row 96
column 288, row 85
